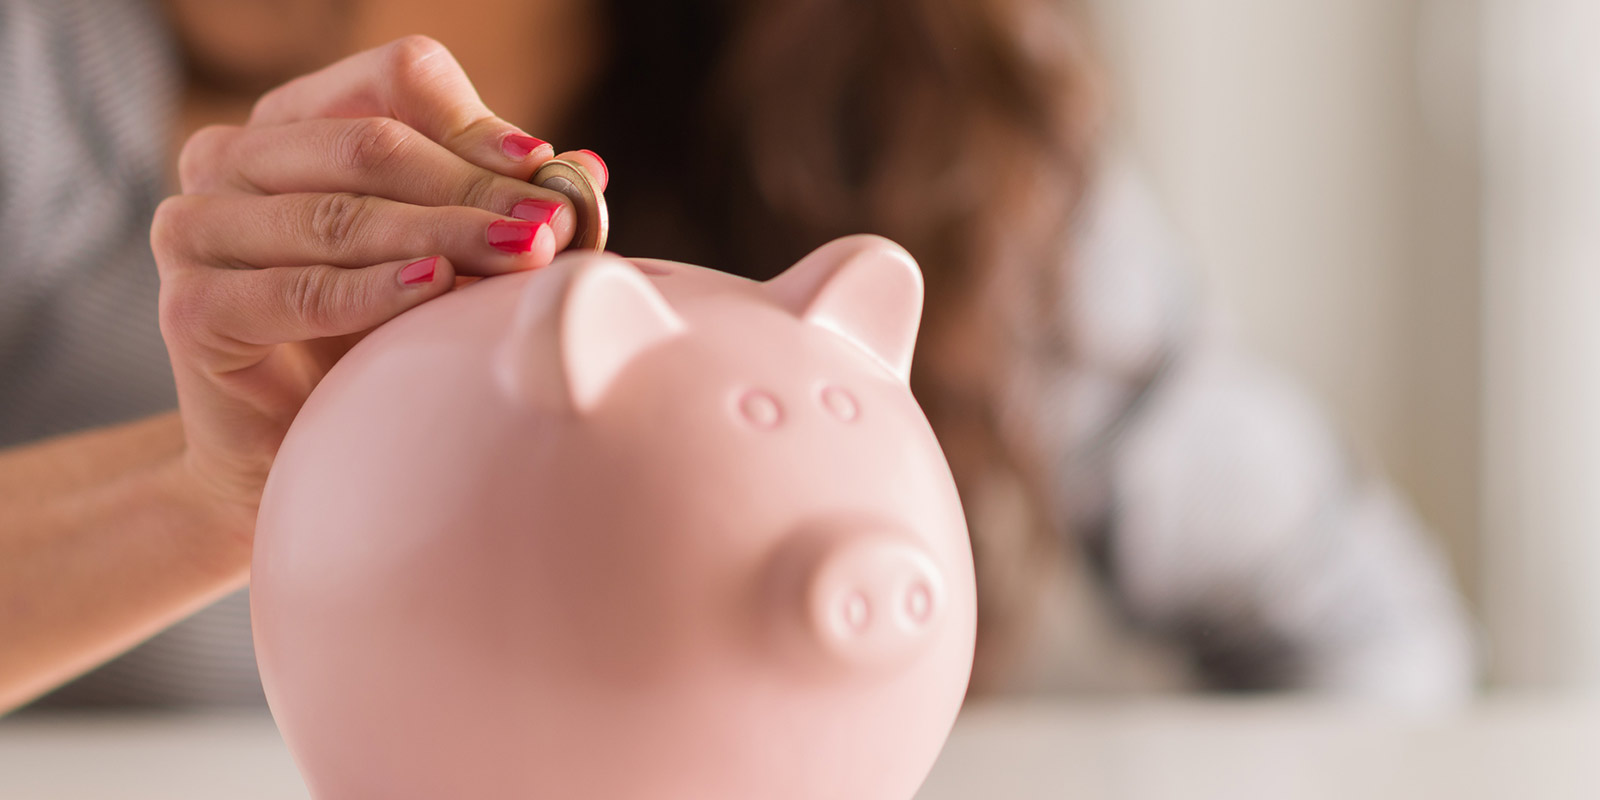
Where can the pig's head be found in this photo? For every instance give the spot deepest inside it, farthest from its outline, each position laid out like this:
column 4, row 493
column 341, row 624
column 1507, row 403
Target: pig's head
column 622, row 529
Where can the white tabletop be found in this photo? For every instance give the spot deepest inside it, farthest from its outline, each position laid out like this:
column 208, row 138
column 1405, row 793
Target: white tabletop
column 1146, row 750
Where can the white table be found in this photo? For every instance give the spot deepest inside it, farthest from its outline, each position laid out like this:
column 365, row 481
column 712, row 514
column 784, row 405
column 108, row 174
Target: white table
column 1538, row 749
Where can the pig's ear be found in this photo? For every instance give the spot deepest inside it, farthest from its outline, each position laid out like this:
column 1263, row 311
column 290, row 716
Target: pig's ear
column 864, row 288
column 575, row 332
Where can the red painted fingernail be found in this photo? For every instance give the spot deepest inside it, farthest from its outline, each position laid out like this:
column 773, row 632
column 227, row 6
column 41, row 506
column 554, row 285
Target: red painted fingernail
column 605, row 171
column 419, row 271
column 533, row 210
column 513, row 235
column 517, row 146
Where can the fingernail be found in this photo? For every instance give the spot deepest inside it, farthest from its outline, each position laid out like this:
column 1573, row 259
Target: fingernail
column 535, row 210
column 517, row 146
column 605, row 171
column 545, row 241
column 513, row 236
column 419, row 271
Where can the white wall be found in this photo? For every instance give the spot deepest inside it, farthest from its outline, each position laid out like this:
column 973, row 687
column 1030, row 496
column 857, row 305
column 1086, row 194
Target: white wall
column 1399, row 200
column 1542, row 331
column 1319, row 157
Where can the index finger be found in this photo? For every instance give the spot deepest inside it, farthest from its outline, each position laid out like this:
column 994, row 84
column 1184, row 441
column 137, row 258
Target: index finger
column 418, row 82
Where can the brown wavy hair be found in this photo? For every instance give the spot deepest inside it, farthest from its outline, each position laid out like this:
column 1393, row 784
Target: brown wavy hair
column 744, row 134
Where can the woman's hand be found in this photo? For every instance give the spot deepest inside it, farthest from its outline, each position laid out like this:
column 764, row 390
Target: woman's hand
column 352, row 194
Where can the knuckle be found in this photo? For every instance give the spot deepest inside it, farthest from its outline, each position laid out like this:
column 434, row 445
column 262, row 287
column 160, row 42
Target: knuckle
column 167, row 227
column 480, row 192
column 416, row 58
column 201, row 152
column 313, row 298
column 369, row 144
column 269, row 104
column 335, row 220
column 416, row 46
column 181, row 313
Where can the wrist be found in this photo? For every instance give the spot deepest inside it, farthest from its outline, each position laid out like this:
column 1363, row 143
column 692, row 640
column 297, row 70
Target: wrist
column 220, row 524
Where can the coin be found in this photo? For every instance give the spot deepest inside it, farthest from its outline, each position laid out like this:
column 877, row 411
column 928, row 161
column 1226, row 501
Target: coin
column 579, row 186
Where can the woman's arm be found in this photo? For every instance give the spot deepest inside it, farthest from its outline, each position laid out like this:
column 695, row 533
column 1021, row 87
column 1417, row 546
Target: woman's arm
column 352, row 194
column 103, row 542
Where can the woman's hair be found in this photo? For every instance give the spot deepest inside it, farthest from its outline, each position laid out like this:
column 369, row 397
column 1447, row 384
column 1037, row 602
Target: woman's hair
column 745, row 134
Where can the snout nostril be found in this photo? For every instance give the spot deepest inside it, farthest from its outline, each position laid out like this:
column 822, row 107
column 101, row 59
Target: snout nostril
column 919, row 603
column 865, row 599
column 857, row 612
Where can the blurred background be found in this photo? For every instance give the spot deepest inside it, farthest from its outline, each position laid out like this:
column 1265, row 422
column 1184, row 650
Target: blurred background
column 1397, row 202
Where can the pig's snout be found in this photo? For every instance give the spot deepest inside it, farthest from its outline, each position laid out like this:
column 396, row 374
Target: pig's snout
column 872, row 598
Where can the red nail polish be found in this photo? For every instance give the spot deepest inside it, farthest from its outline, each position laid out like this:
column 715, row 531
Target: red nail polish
column 605, row 171
column 419, row 271
column 513, row 235
column 534, row 210
column 517, row 146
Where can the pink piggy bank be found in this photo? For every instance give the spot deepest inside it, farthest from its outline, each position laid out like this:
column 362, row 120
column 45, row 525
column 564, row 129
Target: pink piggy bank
column 621, row 529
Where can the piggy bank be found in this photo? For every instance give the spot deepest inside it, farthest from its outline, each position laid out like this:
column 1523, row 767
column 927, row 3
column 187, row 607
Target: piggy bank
column 621, row 529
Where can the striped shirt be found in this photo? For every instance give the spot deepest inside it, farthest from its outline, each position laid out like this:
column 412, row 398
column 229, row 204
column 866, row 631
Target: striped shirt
column 88, row 93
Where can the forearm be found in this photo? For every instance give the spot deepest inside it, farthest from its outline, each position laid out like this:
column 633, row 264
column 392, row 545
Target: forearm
column 103, row 542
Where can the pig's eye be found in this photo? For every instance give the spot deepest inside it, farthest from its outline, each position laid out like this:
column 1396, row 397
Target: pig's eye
column 840, row 403
column 761, row 409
